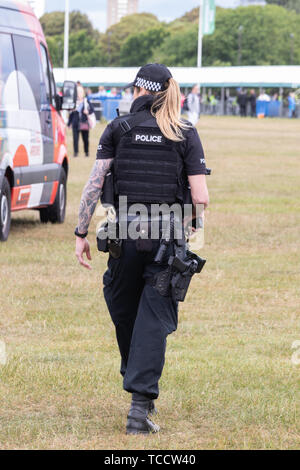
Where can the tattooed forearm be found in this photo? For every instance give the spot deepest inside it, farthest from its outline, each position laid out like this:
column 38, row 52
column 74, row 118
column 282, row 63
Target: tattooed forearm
column 91, row 193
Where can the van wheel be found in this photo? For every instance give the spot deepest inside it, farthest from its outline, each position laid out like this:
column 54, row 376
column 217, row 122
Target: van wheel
column 5, row 214
column 56, row 212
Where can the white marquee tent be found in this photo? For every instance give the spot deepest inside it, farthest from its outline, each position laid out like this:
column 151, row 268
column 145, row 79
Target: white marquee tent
column 251, row 76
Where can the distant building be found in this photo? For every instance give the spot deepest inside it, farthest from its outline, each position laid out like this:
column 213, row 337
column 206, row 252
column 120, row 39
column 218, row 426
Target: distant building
column 116, row 9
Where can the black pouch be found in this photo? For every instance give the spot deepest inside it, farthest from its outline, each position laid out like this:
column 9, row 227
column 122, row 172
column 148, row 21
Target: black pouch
column 102, row 245
column 102, row 238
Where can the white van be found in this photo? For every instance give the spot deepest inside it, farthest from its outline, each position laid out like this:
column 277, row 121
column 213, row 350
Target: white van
column 33, row 154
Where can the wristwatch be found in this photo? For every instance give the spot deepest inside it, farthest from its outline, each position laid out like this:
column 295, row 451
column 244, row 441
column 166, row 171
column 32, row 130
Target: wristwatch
column 81, row 235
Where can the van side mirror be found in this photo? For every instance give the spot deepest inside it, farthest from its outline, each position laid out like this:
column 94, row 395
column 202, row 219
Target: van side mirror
column 69, row 95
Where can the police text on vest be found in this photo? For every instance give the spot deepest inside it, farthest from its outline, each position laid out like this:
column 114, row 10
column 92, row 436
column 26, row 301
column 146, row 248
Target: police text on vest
column 147, row 138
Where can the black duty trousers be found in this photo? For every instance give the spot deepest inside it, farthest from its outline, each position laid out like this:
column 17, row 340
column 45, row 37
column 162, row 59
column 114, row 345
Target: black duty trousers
column 142, row 317
column 85, row 138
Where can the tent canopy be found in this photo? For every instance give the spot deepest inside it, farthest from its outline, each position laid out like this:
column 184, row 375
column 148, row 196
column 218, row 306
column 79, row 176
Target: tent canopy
column 286, row 76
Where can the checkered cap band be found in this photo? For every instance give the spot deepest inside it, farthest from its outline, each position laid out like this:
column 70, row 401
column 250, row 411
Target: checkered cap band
column 147, row 84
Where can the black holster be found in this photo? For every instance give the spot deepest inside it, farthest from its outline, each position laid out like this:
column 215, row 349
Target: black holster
column 175, row 280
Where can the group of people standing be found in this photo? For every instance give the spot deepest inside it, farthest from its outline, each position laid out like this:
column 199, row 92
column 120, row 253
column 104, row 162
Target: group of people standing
column 191, row 105
column 243, row 99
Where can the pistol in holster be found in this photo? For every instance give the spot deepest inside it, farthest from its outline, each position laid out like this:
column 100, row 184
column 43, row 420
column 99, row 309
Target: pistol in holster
column 175, row 279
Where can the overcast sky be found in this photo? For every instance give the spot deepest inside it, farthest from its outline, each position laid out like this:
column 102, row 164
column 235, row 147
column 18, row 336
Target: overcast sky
column 165, row 10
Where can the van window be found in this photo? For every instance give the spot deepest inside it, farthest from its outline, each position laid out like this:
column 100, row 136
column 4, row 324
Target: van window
column 28, row 63
column 45, row 76
column 7, row 63
column 52, row 84
column 47, row 69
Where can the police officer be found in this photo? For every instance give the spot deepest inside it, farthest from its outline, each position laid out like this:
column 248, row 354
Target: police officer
column 150, row 149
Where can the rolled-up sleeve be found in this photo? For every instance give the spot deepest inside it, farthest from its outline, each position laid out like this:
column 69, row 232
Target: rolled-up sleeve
column 106, row 147
column 193, row 154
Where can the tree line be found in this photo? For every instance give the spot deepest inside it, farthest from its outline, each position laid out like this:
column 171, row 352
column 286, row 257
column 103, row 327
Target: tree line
column 254, row 35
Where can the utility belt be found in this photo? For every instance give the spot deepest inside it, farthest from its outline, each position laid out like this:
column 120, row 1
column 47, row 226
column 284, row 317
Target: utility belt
column 143, row 230
column 173, row 281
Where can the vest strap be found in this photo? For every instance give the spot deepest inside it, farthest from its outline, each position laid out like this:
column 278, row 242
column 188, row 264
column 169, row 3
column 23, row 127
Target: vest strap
column 126, row 125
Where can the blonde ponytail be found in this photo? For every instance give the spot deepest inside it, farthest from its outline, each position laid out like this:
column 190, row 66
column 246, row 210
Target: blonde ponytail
column 167, row 109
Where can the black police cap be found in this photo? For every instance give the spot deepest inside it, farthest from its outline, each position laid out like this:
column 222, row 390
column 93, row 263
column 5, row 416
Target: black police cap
column 152, row 77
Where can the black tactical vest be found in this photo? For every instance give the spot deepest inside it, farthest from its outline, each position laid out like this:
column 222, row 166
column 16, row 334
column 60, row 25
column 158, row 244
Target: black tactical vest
column 147, row 166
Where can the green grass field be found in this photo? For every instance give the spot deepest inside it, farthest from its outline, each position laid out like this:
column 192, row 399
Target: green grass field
column 229, row 381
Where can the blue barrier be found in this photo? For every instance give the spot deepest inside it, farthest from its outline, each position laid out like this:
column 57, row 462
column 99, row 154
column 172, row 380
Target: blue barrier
column 268, row 108
column 109, row 105
column 274, row 109
column 262, row 108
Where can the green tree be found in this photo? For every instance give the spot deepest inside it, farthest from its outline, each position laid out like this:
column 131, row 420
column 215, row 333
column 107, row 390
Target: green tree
column 190, row 17
column 56, row 49
column 117, row 34
column 265, row 38
column 53, row 23
column 269, row 35
column 84, row 51
column 84, row 41
column 179, row 48
column 289, row 4
column 138, row 48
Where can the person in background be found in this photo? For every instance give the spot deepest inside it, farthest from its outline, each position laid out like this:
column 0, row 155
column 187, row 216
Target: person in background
column 252, row 102
column 101, row 91
column 182, row 99
column 242, row 102
column 263, row 96
column 292, row 105
column 193, row 104
column 112, row 92
column 78, row 119
column 213, row 103
column 127, row 95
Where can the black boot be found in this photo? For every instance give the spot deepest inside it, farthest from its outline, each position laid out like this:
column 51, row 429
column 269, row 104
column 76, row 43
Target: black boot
column 138, row 421
column 152, row 409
